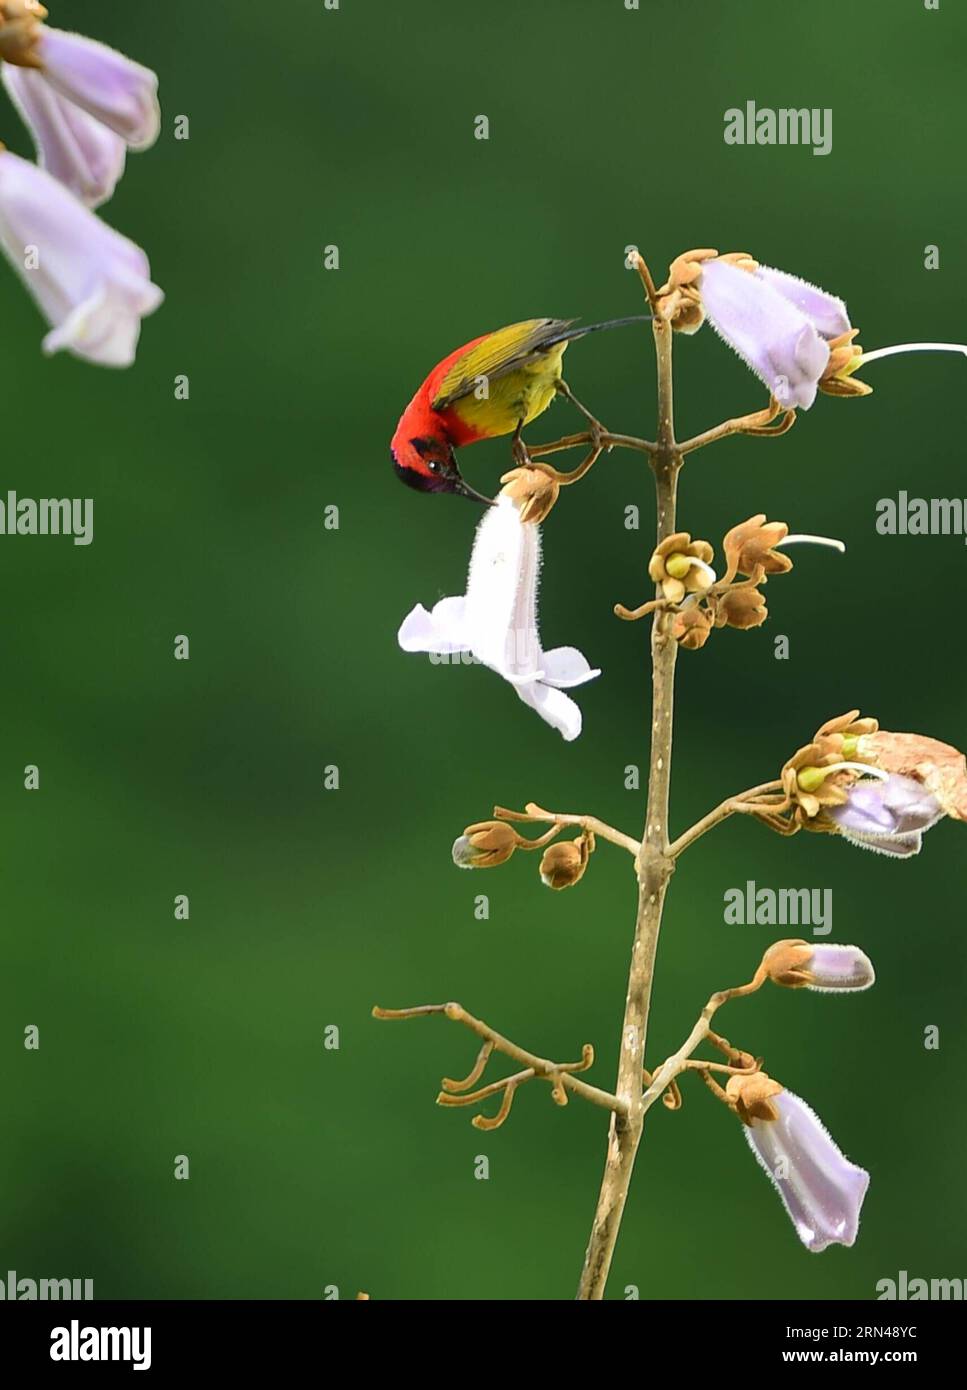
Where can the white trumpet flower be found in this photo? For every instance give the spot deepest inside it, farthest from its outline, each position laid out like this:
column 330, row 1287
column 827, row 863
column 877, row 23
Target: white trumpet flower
column 496, row 620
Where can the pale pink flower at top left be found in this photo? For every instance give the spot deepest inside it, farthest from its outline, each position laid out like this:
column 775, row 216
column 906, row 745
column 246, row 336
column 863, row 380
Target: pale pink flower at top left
column 92, row 284
column 84, row 103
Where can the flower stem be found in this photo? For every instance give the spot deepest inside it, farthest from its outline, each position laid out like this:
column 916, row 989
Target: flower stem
column 550, row 1071
column 597, row 827
column 655, row 868
column 605, row 439
column 744, row 801
column 678, row 1062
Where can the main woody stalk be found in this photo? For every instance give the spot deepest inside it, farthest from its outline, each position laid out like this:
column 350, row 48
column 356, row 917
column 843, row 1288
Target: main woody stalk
column 655, row 866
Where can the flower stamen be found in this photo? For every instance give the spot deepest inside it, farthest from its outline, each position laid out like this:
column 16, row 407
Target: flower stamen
column 805, row 539
column 898, row 348
column 809, row 778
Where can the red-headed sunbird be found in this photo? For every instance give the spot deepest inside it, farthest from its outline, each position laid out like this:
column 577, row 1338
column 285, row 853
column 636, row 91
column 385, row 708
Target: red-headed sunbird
column 491, row 386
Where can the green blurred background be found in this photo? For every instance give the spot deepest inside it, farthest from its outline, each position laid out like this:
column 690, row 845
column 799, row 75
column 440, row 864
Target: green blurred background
column 313, row 1167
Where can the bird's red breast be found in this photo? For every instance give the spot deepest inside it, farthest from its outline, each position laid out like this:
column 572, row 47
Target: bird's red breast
column 420, row 421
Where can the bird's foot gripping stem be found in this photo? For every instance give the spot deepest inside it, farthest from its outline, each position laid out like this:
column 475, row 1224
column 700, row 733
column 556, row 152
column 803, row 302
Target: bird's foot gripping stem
column 596, row 435
column 518, row 449
column 596, row 430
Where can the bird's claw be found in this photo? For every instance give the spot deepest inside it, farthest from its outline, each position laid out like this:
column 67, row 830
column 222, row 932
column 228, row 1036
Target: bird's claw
column 521, row 457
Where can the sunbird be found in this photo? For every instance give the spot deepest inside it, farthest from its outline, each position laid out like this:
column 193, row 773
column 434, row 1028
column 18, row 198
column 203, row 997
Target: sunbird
column 493, row 385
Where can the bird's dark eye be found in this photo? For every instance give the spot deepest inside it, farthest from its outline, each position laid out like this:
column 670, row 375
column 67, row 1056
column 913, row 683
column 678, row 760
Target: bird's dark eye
column 434, row 465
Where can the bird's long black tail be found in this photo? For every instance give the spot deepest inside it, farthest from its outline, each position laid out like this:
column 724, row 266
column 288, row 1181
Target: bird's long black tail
column 579, row 331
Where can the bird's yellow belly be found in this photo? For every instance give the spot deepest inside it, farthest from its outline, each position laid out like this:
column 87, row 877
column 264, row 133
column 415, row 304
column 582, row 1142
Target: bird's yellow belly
column 522, row 394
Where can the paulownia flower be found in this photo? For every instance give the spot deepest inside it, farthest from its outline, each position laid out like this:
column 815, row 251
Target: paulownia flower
column 941, row 769
column 112, row 88
column 877, row 789
column 825, row 311
column 681, row 566
column 794, row 335
column 92, row 284
column 72, row 146
column 752, row 545
column 496, row 620
column 773, row 334
column 84, row 102
column 824, row 967
column 888, row 816
column 755, row 547
column 821, row 1190
column 819, row 775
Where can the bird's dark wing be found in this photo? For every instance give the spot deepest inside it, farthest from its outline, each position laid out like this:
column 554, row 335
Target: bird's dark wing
column 496, row 355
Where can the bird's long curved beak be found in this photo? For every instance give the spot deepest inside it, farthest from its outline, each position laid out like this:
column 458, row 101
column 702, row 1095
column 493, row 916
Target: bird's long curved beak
column 465, row 490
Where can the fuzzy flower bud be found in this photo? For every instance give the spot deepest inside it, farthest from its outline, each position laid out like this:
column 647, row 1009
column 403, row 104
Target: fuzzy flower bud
column 564, row 862
column 484, row 845
column 753, row 547
column 750, row 546
column 826, row 968
column 741, row 608
column 692, row 627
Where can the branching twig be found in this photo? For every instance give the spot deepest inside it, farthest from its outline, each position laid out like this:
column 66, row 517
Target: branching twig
column 560, row 1075
column 745, row 802
column 631, row 615
column 679, row 1060
column 533, row 812
column 604, row 439
column 759, row 423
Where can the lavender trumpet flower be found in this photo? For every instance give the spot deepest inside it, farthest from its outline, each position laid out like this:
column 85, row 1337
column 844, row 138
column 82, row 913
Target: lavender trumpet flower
column 92, row 284
column 826, row 312
column 115, row 90
column 777, row 324
column 72, row 146
column 796, row 337
column 84, row 103
column 821, row 1190
column 888, row 816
